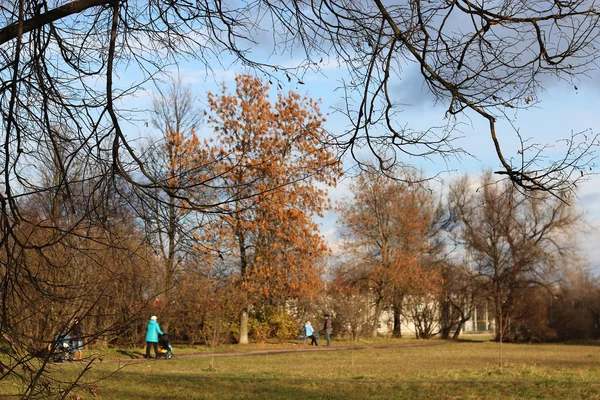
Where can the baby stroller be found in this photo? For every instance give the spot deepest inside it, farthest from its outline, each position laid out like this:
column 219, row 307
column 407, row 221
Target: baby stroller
column 165, row 346
column 60, row 350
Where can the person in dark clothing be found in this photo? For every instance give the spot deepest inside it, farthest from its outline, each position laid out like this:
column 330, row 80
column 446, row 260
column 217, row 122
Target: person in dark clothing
column 76, row 334
column 327, row 328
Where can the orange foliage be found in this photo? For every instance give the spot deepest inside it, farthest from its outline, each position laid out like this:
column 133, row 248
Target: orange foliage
column 388, row 229
column 182, row 157
column 273, row 161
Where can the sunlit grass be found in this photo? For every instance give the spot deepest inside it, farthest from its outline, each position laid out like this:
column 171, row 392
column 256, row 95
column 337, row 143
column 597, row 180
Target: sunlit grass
column 446, row 370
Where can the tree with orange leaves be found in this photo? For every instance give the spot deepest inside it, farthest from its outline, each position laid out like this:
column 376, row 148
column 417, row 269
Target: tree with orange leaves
column 274, row 166
column 388, row 228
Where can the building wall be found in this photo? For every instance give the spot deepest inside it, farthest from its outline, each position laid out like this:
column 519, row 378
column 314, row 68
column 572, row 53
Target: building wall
column 481, row 321
column 386, row 325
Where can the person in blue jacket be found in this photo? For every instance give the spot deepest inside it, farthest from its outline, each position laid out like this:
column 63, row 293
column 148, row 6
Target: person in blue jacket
column 310, row 334
column 152, row 332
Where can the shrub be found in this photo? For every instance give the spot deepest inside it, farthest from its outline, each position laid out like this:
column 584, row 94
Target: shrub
column 271, row 323
column 283, row 326
column 258, row 331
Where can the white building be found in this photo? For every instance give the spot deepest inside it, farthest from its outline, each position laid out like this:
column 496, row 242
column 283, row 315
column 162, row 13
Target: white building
column 481, row 321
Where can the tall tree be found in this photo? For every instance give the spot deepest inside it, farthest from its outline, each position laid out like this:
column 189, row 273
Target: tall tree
column 515, row 241
column 387, row 227
column 170, row 218
column 276, row 163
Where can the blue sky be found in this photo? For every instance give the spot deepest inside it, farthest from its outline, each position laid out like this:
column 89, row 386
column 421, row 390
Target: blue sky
column 562, row 109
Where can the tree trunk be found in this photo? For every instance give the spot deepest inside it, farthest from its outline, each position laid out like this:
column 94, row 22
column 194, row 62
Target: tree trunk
column 377, row 316
column 445, row 320
column 398, row 319
column 458, row 330
column 170, row 267
column 244, row 275
column 243, row 326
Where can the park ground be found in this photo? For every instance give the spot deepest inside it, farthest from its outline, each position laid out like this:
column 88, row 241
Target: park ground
column 384, row 369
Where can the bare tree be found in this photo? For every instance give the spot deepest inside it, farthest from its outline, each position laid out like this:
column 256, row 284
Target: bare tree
column 485, row 57
column 459, row 296
column 169, row 220
column 75, row 253
column 176, row 109
column 489, row 58
column 574, row 310
column 515, row 241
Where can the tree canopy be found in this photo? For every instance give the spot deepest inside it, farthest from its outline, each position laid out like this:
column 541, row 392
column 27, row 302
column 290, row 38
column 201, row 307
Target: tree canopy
column 61, row 63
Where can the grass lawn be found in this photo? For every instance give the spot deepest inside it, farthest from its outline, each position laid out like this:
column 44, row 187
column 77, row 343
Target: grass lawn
column 446, row 370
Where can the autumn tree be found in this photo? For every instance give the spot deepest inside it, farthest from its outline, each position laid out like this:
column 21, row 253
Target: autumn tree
column 76, row 252
column 276, row 164
column 388, row 227
column 515, row 241
column 62, row 64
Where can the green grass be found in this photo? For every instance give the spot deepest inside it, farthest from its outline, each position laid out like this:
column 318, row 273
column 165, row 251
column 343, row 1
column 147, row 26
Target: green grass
column 448, row 370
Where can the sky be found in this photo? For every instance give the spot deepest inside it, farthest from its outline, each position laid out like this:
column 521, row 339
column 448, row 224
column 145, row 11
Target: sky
column 561, row 110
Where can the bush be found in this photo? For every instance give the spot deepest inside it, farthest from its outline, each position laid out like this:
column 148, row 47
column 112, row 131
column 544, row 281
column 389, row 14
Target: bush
column 283, row 326
column 271, row 323
column 529, row 320
column 258, row 331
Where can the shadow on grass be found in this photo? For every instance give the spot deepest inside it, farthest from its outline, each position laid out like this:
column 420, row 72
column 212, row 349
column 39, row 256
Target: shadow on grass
column 130, row 353
column 582, row 342
column 200, row 386
column 475, row 338
column 464, row 340
column 218, row 387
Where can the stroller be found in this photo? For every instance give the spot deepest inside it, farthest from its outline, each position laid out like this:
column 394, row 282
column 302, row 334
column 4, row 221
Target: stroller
column 60, row 350
column 165, row 346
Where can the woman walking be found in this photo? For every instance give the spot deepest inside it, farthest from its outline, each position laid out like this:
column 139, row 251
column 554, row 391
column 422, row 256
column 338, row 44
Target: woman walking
column 310, row 334
column 152, row 332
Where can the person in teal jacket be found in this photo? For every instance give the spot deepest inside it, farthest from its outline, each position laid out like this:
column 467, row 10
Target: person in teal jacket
column 152, row 332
